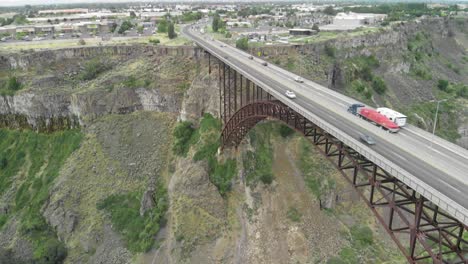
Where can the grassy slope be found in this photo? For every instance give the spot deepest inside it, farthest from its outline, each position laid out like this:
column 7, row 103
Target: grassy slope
column 31, row 162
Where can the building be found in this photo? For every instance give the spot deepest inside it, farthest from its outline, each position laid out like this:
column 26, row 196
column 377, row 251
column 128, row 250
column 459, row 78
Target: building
column 63, row 11
column 350, row 21
column 302, row 32
column 238, row 24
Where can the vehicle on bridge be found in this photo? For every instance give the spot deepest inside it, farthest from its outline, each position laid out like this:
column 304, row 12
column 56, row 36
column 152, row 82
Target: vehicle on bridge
column 299, row 79
column 367, row 139
column 264, row 63
column 290, row 94
column 373, row 116
column 398, row 118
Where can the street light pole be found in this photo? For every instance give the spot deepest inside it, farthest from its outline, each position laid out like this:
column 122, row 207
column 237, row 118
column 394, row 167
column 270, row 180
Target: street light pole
column 435, row 118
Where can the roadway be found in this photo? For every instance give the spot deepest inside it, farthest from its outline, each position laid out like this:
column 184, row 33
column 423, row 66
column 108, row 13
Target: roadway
column 444, row 166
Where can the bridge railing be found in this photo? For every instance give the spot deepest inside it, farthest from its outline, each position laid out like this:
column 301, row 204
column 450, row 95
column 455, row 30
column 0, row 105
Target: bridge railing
column 436, row 197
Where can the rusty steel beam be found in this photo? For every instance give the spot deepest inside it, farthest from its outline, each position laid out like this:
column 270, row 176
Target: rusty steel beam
column 420, row 230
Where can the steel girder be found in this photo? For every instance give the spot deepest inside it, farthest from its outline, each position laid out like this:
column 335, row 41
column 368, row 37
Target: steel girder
column 422, row 231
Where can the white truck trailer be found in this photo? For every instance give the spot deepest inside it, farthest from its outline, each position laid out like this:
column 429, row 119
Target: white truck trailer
column 398, row 118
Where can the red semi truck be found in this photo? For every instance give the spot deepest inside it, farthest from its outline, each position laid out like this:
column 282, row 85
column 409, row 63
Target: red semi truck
column 373, row 116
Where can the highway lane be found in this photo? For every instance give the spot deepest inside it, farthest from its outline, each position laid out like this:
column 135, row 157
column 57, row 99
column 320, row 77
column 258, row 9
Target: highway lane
column 437, row 155
column 453, row 187
column 450, row 152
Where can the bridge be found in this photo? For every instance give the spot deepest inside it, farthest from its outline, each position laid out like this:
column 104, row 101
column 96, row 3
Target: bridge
column 416, row 185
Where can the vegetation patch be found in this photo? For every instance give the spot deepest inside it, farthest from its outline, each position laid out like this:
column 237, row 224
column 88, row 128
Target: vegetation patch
column 124, row 211
column 447, row 119
column 315, row 168
column 183, row 134
column 361, row 239
column 39, row 157
column 294, row 215
column 258, row 163
column 360, row 79
column 11, row 85
column 221, row 173
column 92, row 69
column 242, row 43
column 134, row 82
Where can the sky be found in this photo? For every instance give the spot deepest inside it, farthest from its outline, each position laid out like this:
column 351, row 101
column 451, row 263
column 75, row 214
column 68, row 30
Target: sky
column 44, row 2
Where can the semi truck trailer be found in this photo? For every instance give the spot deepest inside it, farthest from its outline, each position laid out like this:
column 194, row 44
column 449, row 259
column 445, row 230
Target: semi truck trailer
column 374, row 117
column 398, row 118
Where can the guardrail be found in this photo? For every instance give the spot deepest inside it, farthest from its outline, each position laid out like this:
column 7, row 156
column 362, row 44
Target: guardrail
column 436, row 197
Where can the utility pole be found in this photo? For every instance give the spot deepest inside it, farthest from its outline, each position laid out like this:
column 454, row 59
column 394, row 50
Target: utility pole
column 435, row 118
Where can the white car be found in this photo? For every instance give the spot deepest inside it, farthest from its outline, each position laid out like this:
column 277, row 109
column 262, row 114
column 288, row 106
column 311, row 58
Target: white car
column 290, row 94
column 299, row 79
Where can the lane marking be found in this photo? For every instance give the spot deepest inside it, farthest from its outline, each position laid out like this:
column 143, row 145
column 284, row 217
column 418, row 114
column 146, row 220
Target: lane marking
column 445, row 183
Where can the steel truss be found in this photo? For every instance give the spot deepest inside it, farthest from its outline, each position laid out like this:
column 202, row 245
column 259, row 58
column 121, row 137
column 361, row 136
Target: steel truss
column 423, row 232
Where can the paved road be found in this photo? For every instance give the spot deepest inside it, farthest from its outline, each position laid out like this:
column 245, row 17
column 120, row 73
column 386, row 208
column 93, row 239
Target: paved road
column 444, row 166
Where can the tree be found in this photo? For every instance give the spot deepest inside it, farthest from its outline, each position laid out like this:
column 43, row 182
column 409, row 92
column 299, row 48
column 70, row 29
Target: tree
column 162, row 26
column 82, row 42
column 132, row 14
column 170, row 31
column 126, row 25
column 442, row 85
column 316, row 27
column 215, row 24
column 140, row 29
column 242, row 43
column 329, row 10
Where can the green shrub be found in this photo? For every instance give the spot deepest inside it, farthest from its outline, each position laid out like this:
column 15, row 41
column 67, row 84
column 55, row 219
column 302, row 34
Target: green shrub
column 293, row 214
column 379, row 85
column 92, row 69
column 3, row 163
column 183, row 132
column 3, row 220
column 154, row 41
column 330, row 51
column 138, row 231
column 443, row 85
column 50, row 251
column 420, row 71
column 362, row 236
column 461, row 91
column 13, row 84
column 285, row 131
column 221, row 174
column 242, row 43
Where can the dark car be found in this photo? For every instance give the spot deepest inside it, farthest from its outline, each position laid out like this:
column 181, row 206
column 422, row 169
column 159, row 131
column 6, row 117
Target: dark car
column 264, row 63
column 367, row 139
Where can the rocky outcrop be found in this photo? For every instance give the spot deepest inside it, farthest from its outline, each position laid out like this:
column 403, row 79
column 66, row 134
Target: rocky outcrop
column 45, row 57
column 49, row 112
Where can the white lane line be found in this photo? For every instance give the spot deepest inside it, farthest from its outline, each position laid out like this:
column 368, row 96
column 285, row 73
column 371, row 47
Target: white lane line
column 445, row 183
column 455, row 151
column 398, row 155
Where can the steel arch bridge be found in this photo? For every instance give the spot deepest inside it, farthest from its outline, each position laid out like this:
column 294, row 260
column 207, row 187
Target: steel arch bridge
column 423, row 232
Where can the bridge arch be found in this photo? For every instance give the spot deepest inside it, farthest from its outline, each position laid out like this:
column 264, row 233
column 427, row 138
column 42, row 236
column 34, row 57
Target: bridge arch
column 420, row 229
